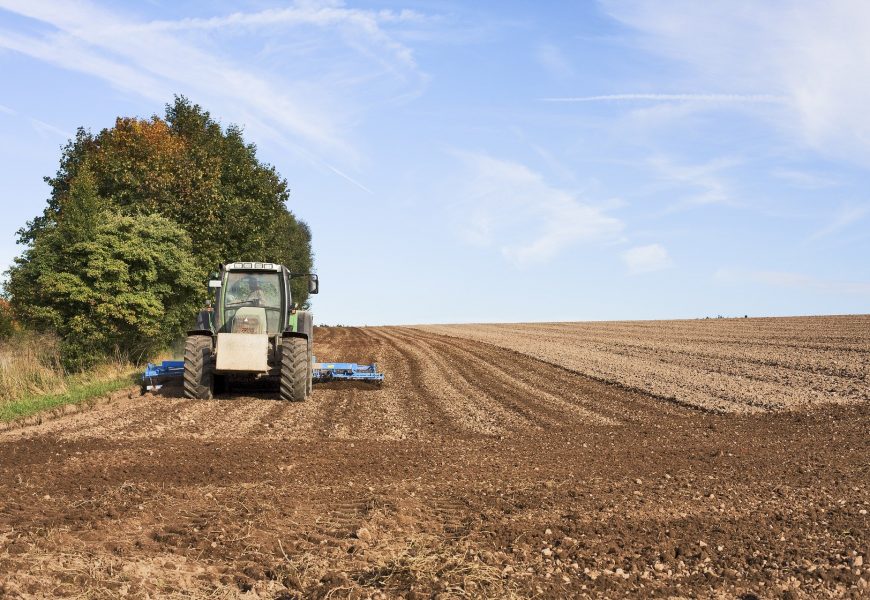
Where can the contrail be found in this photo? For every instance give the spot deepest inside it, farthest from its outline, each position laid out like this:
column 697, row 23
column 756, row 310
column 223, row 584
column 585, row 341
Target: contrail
column 348, row 178
column 753, row 98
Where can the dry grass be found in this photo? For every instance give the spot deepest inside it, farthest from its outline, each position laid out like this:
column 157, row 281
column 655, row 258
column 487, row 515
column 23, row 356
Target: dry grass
column 424, row 562
column 31, row 371
column 30, row 365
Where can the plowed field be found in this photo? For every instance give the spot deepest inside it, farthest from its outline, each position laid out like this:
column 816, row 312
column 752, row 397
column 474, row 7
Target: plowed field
column 723, row 365
column 474, row 471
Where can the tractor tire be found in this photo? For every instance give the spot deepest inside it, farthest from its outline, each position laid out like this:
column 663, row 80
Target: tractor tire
column 198, row 368
column 295, row 373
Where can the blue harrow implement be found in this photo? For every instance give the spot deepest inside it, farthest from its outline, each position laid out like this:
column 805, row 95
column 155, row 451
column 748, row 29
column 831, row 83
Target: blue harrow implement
column 156, row 375
column 169, row 371
column 323, row 372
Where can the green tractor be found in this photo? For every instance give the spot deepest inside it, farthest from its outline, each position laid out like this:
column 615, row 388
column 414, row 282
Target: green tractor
column 253, row 332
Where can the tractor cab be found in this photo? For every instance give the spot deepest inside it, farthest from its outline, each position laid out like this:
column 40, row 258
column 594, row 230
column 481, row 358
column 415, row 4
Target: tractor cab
column 253, row 298
column 253, row 302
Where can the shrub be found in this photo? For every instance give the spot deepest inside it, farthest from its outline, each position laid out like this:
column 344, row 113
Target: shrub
column 123, row 286
column 7, row 320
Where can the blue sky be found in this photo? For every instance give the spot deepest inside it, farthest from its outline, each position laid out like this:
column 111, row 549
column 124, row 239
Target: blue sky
column 498, row 161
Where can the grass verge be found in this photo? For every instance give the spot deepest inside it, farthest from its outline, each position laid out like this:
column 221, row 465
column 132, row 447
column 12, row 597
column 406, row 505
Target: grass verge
column 32, row 377
column 76, row 392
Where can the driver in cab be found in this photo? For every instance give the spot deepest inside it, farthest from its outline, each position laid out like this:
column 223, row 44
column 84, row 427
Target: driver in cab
column 254, row 295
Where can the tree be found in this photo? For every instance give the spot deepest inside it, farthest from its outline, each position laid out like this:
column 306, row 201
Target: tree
column 187, row 168
column 138, row 217
column 122, row 284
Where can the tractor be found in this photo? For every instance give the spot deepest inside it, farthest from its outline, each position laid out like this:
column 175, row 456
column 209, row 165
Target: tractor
column 254, row 331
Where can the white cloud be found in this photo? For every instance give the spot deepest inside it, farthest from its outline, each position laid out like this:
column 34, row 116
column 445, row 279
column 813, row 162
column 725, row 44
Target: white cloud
column 333, row 64
column 39, row 126
column 554, row 61
column 805, row 179
column 706, row 181
column 326, row 14
column 508, row 205
column 645, row 259
column 790, row 280
column 47, row 129
column 812, row 53
column 845, row 217
column 712, row 98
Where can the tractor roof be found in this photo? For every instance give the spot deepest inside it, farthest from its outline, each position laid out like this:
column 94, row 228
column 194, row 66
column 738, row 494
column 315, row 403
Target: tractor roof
column 253, row 266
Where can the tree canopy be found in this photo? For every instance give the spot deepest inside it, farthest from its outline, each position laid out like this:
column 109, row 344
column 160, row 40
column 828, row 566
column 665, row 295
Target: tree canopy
column 138, row 217
column 127, row 287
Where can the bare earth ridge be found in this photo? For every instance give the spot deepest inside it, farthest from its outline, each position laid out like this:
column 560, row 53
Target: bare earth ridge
column 474, row 471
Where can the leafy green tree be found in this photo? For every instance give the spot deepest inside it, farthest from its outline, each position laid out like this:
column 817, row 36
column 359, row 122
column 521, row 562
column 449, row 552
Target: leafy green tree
column 138, row 217
column 110, row 284
column 187, row 168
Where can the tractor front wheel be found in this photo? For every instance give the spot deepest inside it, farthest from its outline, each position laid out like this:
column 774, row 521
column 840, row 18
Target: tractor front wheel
column 294, row 369
column 198, row 368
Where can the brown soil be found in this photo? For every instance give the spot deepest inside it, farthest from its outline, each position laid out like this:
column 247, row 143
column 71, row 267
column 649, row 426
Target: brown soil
column 473, row 471
column 722, row 365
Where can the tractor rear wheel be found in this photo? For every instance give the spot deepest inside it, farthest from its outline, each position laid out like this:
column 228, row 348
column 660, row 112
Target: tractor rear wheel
column 295, row 368
column 198, row 368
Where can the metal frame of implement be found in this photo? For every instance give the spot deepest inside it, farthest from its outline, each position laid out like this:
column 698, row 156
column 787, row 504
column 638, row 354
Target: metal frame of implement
column 156, row 376
column 322, row 372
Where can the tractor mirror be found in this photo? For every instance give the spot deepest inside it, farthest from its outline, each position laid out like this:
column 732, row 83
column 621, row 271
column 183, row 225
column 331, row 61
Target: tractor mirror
column 214, row 283
column 313, row 284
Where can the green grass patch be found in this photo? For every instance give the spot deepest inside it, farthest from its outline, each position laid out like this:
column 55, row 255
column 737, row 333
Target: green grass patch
column 76, row 392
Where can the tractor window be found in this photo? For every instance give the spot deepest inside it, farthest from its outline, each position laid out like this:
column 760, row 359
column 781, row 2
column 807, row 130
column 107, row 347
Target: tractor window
column 253, row 289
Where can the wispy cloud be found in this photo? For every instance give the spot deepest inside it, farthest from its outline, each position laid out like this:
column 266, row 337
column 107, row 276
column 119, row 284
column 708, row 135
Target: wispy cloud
column 790, row 280
column 843, row 218
column 811, row 53
column 353, row 22
column 699, row 184
column 554, row 61
column 646, row 259
column 712, row 98
column 311, row 99
column 323, row 13
column 39, row 126
column 44, row 128
column 512, row 207
column 805, row 179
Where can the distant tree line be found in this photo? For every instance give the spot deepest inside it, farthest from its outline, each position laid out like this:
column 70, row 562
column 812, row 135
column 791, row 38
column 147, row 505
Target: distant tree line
column 138, row 218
